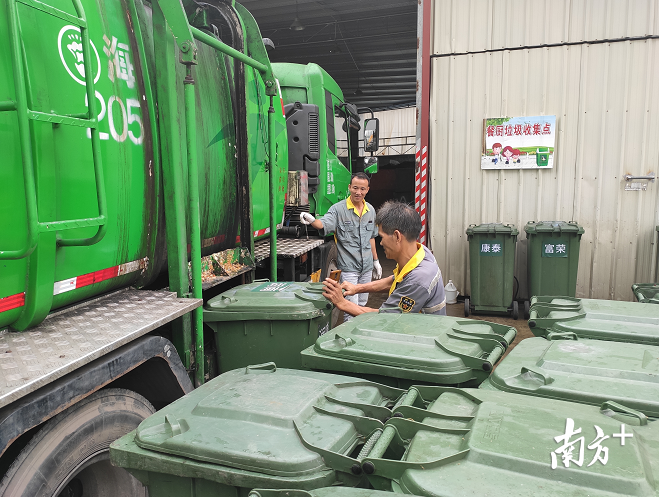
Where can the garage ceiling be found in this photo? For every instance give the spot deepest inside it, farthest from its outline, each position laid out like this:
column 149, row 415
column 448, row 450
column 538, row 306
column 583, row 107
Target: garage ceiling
column 367, row 46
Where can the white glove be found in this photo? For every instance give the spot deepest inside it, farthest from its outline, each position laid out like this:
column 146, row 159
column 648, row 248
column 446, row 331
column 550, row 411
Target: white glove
column 306, row 218
column 377, row 270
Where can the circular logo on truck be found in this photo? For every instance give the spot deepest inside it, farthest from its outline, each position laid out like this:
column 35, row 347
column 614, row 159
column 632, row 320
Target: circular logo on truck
column 69, row 43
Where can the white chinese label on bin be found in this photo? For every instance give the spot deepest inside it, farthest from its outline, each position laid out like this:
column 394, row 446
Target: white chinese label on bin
column 491, row 247
column 573, row 451
column 272, row 287
column 554, row 248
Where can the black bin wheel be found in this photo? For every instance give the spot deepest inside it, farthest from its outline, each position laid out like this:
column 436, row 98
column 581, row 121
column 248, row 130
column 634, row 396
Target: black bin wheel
column 467, row 309
column 527, row 309
column 70, row 454
column 515, row 310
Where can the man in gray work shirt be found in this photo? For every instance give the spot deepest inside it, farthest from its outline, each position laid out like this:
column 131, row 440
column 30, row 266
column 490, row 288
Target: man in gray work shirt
column 353, row 222
column 416, row 285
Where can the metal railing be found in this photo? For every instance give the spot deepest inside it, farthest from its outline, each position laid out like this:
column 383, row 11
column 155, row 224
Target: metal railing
column 398, row 145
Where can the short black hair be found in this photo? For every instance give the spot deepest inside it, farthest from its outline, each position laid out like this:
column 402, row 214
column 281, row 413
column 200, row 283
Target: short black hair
column 361, row 176
column 394, row 215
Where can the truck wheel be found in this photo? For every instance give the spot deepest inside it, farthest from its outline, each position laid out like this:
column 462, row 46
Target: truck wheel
column 70, row 455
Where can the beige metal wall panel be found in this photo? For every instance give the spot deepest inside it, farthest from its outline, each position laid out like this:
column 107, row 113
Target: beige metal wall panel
column 477, row 25
column 606, row 103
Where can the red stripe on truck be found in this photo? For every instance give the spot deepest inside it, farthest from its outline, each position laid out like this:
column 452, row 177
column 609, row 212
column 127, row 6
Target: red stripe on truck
column 12, row 302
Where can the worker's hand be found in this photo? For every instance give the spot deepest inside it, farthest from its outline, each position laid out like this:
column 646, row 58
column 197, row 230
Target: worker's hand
column 350, row 288
column 333, row 293
column 306, row 218
column 377, row 270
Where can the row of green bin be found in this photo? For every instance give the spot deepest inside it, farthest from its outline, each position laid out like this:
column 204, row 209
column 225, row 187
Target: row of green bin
column 399, row 416
column 552, row 264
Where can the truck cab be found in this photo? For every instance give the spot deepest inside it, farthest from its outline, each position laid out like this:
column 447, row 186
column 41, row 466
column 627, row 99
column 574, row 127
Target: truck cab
column 322, row 132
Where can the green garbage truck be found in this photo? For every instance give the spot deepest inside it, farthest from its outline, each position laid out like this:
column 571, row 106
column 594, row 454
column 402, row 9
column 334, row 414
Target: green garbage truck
column 145, row 163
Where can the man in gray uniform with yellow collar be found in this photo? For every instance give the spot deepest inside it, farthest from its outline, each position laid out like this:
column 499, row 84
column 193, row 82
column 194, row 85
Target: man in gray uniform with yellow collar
column 416, row 285
column 353, row 223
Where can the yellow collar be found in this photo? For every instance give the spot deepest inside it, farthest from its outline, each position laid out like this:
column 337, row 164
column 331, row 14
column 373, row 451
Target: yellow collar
column 411, row 264
column 350, row 205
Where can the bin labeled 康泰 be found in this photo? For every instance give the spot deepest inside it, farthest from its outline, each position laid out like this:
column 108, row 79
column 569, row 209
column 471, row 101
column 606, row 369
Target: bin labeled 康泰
column 581, row 370
column 611, row 320
column 552, row 257
column 267, row 322
column 492, row 269
column 445, row 442
column 407, row 349
column 257, row 427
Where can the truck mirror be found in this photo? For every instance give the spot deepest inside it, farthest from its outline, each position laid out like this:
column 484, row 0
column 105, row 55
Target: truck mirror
column 371, row 134
column 370, row 165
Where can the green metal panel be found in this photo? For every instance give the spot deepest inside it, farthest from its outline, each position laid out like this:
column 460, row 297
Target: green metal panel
column 257, row 107
column 267, row 321
column 121, row 48
column 584, row 371
column 407, row 349
column 63, row 155
column 453, row 442
column 553, row 257
column 268, row 427
column 314, row 80
column 597, row 319
column 648, row 293
column 492, row 266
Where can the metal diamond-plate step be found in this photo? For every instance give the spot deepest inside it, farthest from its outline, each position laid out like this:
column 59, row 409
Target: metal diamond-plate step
column 73, row 337
column 286, row 247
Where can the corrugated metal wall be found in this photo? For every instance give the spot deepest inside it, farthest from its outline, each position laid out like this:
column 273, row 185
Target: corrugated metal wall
column 606, row 99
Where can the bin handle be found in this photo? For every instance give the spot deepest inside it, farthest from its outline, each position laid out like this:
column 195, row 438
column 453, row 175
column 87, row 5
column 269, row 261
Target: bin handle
column 174, row 425
column 562, row 335
column 612, row 406
column 539, row 372
column 348, row 341
column 266, row 367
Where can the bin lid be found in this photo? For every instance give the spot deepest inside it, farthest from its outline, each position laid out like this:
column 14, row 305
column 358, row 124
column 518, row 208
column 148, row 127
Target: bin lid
column 494, row 443
column 583, row 370
column 534, row 227
column 597, row 319
column 268, row 301
column 646, row 293
column 493, row 228
column 438, row 349
column 335, row 491
column 280, row 422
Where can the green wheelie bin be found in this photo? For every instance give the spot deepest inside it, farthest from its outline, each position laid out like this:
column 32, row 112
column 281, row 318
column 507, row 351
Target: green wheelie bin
column 646, row 293
column 267, row 322
column 492, row 268
column 610, row 320
column 581, row 370
column 402, row 350
column 257, row 427
column 448, row 442
column 553, row 257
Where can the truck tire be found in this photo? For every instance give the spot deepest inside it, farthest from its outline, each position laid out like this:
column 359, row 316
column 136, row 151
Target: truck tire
column 330, row 265
column 70, row 455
